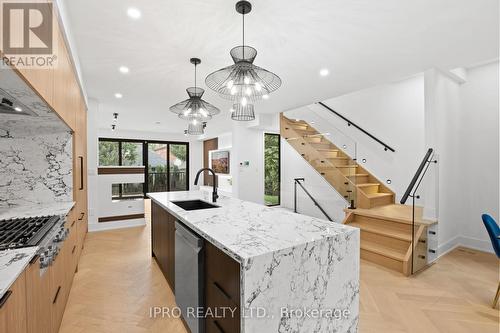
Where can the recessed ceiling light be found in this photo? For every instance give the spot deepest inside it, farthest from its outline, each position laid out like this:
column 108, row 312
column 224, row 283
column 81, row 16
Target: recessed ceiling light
column 124, row 69
column 324, row 72
column 134, row 13
column 157, row 123
column 118, row 95
column 18, row 109
column 266, row 96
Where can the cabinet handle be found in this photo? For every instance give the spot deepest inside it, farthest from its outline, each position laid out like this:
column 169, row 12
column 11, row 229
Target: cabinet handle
column 81, row 216
column 216, row 324
column 74, row 248
column 5, row 297
column 57, row 295
column 81, row 172
column 73, row 223
column 222, row 291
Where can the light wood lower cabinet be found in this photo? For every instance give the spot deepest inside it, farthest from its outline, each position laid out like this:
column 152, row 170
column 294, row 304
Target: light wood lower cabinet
column 13, row 307
column 38, row 298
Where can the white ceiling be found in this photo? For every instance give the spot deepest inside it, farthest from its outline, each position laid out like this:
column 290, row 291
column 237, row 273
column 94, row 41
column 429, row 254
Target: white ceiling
column 361, row 42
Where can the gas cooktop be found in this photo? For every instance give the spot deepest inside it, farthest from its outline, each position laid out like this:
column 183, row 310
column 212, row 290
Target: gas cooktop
column 24, row 232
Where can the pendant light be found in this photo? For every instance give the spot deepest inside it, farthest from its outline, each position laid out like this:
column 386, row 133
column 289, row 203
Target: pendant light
column 195, row 110
column 243, row 82
column 195, row 128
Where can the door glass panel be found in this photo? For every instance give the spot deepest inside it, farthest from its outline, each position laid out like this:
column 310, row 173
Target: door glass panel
column 178, row 167
column 157, row 167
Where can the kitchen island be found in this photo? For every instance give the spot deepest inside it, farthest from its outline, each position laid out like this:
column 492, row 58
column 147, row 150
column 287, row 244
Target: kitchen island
column 296, row 273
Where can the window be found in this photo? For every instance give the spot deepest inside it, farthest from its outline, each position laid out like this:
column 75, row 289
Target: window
column 127, row 191
column 109, row 153
column 120, row 152
column 131, row 153
column 166, row 164
column 272, row 172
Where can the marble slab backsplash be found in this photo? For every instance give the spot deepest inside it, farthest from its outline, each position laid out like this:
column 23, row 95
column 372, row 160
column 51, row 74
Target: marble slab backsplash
column 35, row 169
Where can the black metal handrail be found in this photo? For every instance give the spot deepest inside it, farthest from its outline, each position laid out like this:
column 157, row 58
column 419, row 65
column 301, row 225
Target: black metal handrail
column 411, row 191
column 349, row 123
column 425, row 162
column 297, row 181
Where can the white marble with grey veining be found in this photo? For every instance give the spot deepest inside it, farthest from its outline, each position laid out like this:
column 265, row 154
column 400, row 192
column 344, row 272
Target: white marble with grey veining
column 12, row 264
column 287, row 261
column 54, row 208
column 36, row 170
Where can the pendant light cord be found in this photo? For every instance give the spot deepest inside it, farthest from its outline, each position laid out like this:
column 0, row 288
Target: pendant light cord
column 243, row 33
column 195, row 90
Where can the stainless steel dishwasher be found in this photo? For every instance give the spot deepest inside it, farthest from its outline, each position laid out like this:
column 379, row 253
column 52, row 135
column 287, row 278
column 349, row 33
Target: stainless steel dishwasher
column 189, row 275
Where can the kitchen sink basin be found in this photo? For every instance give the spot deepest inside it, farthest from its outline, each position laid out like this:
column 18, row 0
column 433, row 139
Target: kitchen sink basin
column 194, row 204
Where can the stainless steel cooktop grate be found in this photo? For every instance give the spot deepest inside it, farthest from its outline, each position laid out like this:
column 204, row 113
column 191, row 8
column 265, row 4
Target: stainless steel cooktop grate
column 24, row 232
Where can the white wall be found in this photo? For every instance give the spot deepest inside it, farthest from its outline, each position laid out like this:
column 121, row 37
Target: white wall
column 462, row 123
column 94, row 132
column 294, row 166
column 442, row 119
column 392, row 112
column 248, row 145
column 479, row 99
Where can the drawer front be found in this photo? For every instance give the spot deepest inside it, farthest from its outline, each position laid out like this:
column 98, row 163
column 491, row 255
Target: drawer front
column 217, row 304
column 224, row 271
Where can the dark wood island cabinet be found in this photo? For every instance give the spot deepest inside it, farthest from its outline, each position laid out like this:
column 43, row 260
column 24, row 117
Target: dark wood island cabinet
column 221, row 272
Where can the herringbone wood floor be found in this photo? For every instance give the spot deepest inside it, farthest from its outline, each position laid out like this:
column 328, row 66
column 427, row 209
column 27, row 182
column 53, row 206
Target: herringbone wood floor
column 118, row 282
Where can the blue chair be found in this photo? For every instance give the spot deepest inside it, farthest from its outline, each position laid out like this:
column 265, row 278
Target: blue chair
column 494, row 233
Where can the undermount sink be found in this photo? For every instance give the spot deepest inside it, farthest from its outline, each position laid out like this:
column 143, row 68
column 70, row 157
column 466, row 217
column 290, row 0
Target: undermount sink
column 194, row 204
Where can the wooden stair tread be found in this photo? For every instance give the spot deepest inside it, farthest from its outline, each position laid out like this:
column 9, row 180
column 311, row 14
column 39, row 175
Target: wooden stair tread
column 369, row 184
column 383, row 250
column 392, row 233
column 347, row 166
column 328, row 150
column 359, row 175
column 394, row 212
column 378, row 195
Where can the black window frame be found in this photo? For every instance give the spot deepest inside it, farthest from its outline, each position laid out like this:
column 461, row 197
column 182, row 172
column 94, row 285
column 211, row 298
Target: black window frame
column 145, row 161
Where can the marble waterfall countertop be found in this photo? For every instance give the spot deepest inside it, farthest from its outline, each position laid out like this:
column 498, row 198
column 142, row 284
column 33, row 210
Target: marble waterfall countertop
column 244, row 229
column 297, row 273
column 12, row 264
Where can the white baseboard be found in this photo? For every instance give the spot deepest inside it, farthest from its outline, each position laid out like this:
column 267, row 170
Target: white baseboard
column 476, row 244
column 93, row 227
column 469, row 242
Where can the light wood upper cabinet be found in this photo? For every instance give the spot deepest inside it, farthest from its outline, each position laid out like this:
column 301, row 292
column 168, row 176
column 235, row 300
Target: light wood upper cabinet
column 65, row 86
column 13, row 310
column 42, row 80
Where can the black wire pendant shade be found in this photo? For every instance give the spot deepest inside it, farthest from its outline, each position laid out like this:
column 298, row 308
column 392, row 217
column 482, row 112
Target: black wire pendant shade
column 243, row 82
column 195, row 128
column 195, row 109
column 242, row 113
column 243, row 79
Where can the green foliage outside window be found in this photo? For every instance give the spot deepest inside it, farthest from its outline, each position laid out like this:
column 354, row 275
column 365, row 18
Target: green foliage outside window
column 271, row 169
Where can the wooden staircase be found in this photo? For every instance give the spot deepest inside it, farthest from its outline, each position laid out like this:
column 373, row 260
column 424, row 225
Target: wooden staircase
column 386, row 230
